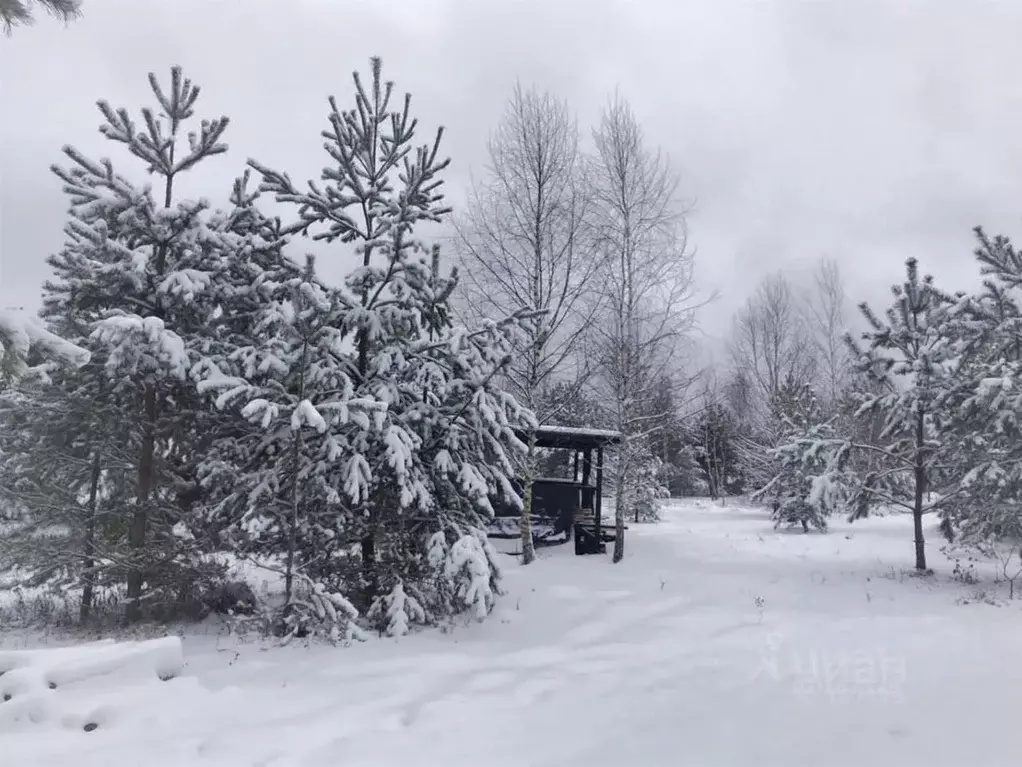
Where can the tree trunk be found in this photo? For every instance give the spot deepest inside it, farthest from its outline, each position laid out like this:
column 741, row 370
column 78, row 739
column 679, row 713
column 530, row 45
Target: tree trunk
column 370, row 578
column 619, row 519
column 296, row 457
column 89, row 563
column 920, row 490
column 147, row 458
column 710, row 469
column 139, row 519
column 292, row 533
column 711, row 484
column 370, row 581
column 525, row 521
column 715, row 483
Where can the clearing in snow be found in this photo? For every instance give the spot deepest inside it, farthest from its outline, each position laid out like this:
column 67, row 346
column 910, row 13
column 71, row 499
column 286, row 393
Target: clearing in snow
column 717, row 641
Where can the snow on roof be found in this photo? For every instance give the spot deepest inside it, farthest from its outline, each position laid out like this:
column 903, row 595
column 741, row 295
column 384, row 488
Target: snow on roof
column 579, row 431
column 570, row 437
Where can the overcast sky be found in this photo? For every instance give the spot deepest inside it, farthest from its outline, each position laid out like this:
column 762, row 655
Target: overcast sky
column 869, row 131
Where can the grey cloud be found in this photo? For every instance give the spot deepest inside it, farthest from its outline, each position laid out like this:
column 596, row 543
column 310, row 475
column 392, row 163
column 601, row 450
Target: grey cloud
column 870, row 131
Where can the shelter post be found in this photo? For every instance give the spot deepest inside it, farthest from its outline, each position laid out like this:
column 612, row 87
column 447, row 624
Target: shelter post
column 598, row 502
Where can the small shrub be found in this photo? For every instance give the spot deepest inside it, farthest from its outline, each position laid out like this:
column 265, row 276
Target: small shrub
column 966, row 575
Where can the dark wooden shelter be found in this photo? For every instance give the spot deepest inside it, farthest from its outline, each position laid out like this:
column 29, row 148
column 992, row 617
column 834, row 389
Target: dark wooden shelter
column 563, row 508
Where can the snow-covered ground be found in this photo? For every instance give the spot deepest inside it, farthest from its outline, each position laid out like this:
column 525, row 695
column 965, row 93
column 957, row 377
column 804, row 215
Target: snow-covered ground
column 716, row 642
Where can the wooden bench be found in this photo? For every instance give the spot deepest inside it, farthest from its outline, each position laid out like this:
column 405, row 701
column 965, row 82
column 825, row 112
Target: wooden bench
column 586, row 519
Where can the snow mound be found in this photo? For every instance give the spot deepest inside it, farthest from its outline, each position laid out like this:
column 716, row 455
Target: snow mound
column 85, row 687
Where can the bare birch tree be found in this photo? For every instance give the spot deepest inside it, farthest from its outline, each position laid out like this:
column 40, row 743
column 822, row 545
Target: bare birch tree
column 826, row 311
column 772, row 349
column 770, row 342
column 646, row 284
column 527, row 246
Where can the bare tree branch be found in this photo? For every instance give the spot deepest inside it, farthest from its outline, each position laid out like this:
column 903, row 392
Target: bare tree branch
column 527, row 242
column 770, row 344
column 825, row 308
column 528, row 247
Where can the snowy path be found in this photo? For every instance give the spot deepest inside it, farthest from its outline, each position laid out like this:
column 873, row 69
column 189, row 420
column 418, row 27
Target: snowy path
column 717, row 642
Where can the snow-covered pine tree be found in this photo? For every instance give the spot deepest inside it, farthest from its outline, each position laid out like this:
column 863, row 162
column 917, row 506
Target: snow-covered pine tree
column 443, row 445
column 989, row 424
column 865, row 431
column 913, row 355
column 282, row 490
column 15, row 13
column 62, row 481
column 126, row 278
column 19, row 336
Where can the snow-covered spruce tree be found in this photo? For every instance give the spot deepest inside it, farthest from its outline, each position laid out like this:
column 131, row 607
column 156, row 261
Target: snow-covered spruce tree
column 740, row 402
column 126, row 277
column 914, row 354
column 684, row 477
column 790, row 407
column 444, row 443
column 796, row 494
column 650, row 490
column 714, row 437
column 655, row 454
column 784, row 405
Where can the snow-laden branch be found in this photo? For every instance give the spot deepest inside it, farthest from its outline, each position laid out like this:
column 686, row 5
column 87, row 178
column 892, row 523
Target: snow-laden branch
column 19, row 334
